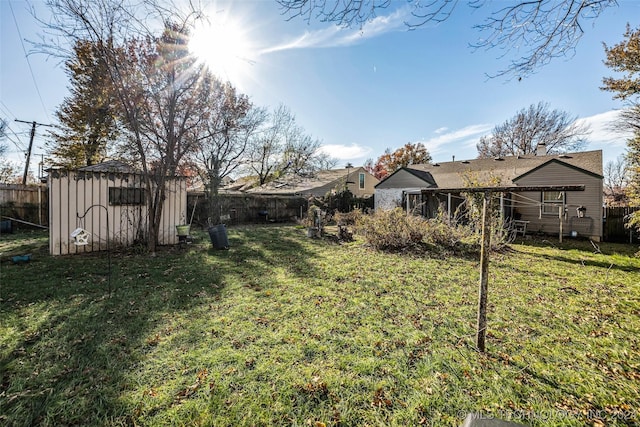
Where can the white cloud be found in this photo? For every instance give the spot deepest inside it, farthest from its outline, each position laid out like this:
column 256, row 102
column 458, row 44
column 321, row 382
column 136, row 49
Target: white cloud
column 441, row 130
column 336, row 36
column 346, row 152
column 452, row 140
column 603, row 133
column 604, row 136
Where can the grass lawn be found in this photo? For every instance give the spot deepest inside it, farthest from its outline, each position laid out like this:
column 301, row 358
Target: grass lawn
column 285, row 330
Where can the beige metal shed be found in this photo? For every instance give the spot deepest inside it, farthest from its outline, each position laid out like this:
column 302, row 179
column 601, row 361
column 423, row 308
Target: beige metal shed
column 107, row 201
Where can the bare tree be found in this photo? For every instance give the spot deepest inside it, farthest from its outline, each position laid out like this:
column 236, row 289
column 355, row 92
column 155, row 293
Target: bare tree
column 302, row 155
column 7, row 169
column 232, row 123
column 3, row 130
column 3, row 134
column 532, row 126
column 263, row 156
column 161, row 93
column 283, row 147
column 544, row 29
column 616, row 179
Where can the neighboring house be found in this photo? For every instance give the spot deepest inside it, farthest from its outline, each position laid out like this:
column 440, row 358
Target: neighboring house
column 107, row 201
column 360, row 182
column 583, row 209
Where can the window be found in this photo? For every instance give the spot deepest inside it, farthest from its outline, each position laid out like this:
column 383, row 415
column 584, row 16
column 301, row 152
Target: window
column 551, row 201
column 361, row 181
column 126, row 196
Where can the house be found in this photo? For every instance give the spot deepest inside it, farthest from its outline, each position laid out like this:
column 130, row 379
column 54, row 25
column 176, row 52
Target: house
column 318, row 184
column 539, row 210
column 105, row 204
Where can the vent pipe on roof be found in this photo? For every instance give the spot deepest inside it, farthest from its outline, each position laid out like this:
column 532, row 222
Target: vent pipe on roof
column 454, row 158
column 541, row 149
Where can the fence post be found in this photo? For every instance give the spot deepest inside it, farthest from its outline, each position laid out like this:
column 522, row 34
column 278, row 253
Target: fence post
column 484, row 272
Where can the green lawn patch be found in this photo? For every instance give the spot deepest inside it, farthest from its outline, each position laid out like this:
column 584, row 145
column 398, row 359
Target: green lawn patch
column 285, row 330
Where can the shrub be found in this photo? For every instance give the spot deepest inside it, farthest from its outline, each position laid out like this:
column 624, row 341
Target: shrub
column 347, row 219
column 394, row 230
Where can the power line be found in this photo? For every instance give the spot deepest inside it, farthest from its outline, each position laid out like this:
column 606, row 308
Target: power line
column 26, row 57
column 6, row 111
column 15, row 142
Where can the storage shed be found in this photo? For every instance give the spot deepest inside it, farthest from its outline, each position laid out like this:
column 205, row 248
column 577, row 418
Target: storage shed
column 107, row 203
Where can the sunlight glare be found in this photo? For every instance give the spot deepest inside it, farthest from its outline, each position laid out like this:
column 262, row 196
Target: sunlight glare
column 224, row 47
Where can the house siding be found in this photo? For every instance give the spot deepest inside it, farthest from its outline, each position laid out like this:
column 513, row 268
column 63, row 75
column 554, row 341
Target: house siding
column 558, row 174
column 388, row 193
column 370, row 182
column 402, row 179
column 354, row 186
column 390, row 198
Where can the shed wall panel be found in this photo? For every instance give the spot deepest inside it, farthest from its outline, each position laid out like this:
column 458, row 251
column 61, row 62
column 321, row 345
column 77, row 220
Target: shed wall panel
column 81, row 200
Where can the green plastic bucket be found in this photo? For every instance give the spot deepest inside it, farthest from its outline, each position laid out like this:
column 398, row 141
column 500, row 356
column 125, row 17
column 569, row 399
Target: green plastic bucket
column 183, row 230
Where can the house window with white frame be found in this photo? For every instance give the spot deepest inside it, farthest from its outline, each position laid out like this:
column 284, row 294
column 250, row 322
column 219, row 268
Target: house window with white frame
column 361, row 181
column 552, row 201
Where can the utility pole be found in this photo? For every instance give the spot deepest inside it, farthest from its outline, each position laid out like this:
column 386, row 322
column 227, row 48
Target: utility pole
column 33, row 134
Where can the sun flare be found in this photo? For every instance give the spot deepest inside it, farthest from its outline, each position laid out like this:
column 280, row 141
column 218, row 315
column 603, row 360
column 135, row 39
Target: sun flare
column 224, row 47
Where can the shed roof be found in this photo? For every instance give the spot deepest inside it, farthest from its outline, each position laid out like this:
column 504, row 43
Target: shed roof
column 109, row 166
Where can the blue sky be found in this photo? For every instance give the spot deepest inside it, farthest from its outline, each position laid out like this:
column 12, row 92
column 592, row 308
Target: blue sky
column 359, row 91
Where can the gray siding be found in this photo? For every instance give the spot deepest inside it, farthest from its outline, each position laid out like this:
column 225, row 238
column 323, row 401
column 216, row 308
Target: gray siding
column 559, row 174
column 403, row 179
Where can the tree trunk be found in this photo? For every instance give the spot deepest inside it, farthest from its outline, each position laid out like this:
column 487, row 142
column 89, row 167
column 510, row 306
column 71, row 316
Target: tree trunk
column 484, row 272
column 155, row 213
column 214, row 199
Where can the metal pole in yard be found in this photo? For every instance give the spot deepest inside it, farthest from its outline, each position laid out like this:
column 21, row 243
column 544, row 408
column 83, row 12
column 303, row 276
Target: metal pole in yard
column 560, row 218
column 484, row 272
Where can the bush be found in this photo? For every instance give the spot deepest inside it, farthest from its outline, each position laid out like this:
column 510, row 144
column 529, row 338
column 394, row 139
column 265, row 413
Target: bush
column 348, row 219
column 394, row 230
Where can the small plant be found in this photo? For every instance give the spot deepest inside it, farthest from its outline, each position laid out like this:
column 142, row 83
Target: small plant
column 346, row 222
column 315, row 221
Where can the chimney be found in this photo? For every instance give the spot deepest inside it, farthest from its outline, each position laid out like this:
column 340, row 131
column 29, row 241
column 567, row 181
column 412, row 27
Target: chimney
column 541, row 149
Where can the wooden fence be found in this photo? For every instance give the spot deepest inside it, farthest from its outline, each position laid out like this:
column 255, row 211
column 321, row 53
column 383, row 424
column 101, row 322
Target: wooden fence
column 25, row 202
column 247, row 208
column 614, row 228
